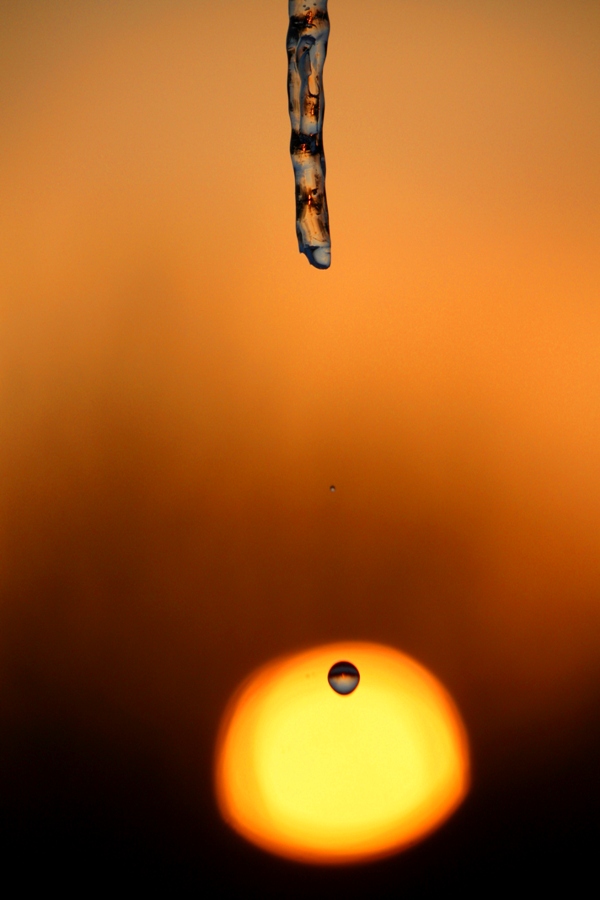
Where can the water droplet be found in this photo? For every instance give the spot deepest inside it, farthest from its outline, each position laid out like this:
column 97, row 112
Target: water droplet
column 343, row 677
column 332, row 488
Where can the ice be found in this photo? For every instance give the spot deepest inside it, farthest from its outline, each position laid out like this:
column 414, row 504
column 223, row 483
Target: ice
column 307, row 37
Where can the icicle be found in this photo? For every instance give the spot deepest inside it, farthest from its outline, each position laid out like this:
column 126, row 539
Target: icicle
column 307, row 47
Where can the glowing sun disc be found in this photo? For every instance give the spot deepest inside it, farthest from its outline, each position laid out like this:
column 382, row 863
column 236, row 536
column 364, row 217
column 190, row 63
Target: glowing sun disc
column 317, row 776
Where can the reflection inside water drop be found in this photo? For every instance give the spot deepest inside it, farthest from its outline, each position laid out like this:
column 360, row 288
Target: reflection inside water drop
column 343, row 677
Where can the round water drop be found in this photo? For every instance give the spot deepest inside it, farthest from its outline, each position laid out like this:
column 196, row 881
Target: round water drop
column 332, row 488
column 343, row 677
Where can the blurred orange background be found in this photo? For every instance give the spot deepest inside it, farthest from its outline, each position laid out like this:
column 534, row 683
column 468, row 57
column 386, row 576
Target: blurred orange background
column 180, row 388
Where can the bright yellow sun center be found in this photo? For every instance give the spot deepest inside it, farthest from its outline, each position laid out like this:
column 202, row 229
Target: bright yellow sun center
column 314, row 775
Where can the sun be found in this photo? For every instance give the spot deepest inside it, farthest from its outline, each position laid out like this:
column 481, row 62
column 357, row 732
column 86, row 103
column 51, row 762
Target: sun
column 331, row 776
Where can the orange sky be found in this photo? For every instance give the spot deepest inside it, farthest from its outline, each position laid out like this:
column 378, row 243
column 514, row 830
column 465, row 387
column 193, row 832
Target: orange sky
column 180, row 388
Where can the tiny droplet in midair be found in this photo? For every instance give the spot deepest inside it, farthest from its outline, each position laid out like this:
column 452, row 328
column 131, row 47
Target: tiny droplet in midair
column 343, row 677
column 332, row 488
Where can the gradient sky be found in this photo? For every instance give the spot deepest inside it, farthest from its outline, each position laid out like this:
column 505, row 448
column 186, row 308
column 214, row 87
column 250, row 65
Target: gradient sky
column 179, row 388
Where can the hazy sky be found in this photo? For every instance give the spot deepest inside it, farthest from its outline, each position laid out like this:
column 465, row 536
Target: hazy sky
column 180, row 388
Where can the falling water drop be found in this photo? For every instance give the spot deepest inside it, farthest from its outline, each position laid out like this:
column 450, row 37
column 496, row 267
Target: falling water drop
column 343, row 677
column 332, row 488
